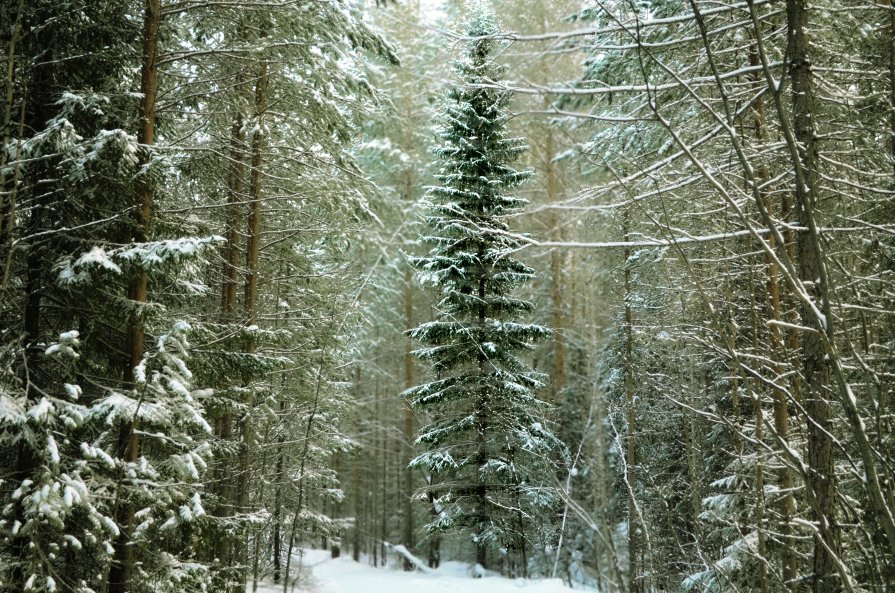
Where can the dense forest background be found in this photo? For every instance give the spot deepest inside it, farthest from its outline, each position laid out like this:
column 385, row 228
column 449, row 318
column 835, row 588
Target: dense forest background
column 244, row 252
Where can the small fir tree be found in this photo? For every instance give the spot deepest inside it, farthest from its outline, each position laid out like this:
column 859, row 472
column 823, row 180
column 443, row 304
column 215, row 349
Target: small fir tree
column 486, row 430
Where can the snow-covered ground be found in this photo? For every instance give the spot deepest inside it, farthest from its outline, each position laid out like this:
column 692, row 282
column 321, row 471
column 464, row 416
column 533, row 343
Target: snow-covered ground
column 343, row 575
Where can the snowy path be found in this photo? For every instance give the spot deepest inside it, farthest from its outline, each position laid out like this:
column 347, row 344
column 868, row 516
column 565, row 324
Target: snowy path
column 343, row 575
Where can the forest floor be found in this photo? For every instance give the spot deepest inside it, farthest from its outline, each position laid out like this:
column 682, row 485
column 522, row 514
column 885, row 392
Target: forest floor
column 343, row 575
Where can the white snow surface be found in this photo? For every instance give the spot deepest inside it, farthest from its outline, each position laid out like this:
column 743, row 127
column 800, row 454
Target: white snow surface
column 343, row 575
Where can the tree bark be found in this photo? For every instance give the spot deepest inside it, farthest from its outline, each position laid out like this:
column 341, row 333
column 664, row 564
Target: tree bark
column 813, row 274
column 356, row 479
column 120, row 573
column 25, row 460
column 756, row 393
column 892, row 80
column 556, row 267
column 358, row 508
column 280, row 478
column 813, row 315
column 434, row 538
column 409, row 432
column 7, row 209
column 250, row 302
column 296, row 522
column 229, row 284
column 235, row 172
column 780, row 403
column 634, row 585
column 253, row 242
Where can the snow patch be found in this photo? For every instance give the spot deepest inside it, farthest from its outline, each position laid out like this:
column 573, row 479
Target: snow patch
column 343, row 575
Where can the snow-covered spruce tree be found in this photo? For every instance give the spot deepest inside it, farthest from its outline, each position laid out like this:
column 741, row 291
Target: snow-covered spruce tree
column 71, row 247
column 486, row 430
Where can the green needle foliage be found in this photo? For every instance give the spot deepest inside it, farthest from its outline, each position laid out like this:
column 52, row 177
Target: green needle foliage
column 486, row 425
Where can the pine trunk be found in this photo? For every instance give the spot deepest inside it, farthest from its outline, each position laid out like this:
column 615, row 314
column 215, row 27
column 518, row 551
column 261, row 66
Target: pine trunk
column 356, row 482
column 358, row 510
column 280, row 478
column 129, row 441
column 634, row 585
column 408, row 426
column 300, row 503
column 235, row 172
column 434, row 559
column 556, row 267
column 821, row 464
column 229, row 284
column 892, row 79
column 250, row 303
column 779, row 348
column 755, row 386
column 7, row 190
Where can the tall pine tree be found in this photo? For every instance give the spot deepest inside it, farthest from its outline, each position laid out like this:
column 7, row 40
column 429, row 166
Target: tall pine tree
column 486, row 430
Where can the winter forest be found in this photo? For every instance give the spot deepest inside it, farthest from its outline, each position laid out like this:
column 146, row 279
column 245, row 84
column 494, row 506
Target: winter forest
column 434, row 295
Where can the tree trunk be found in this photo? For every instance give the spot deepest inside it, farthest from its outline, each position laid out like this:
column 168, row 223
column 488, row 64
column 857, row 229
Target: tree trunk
column 358, row 500
column 779, row 348
column 812, row 272
column 694, row 467
column 409, row 432
column 296, row 523
column 631, row 429
column 335, row 542
column 129, row 441
column 254, row 221
column 556, row 268
column 229, row 284
column 892, row 79
column 755, row 387
column 7, row 206
column 222, row 545
column 26, row 461
column 434, row 538
column 358, row 507
column 250, row 302
column 280, row 478
column 235, row 172
column 384, row 501
column 378, row 468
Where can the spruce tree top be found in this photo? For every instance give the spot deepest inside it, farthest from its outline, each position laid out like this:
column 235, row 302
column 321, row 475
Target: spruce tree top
column 468, row 209
column 476, row 151
column 470, row 260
